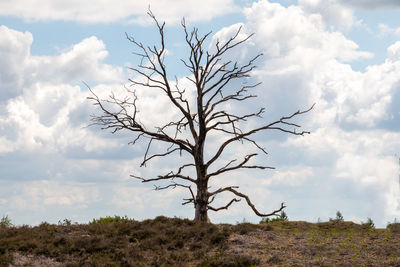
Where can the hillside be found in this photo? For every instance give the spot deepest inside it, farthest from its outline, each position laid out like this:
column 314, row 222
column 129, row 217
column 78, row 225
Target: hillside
column 116, row 241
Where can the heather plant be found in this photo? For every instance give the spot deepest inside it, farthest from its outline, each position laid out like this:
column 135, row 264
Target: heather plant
column 162, row 241
column 394, row 227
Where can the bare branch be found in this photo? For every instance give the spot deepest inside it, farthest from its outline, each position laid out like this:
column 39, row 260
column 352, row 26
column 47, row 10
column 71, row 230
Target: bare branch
column 122, row 120
column 223, row 207
column 270, row 126
column 168, row 176
column 249, row 203
column 238, row 166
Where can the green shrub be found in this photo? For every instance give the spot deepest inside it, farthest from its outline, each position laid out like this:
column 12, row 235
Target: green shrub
column 339, row 217
column 281, row 218
column 5, row 221
column 109, row 219
column 64, row 222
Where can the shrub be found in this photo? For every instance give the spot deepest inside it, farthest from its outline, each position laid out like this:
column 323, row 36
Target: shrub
column 219, row 237
column 5, row 221
column 64, row 222
column 339, row 217
column 394, row 227
column 369, row 224
column 109, row 219
column 281, row 218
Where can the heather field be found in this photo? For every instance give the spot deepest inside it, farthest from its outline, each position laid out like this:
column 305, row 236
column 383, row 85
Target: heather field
column 119, row 241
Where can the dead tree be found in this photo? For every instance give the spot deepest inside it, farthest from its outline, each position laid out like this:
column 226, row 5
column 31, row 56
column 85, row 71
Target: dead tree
column 212, row 77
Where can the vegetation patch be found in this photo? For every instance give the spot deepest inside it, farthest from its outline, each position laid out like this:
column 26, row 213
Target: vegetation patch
column 120, row 241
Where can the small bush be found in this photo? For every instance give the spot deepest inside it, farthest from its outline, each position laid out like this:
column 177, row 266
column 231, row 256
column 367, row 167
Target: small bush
column 109, row 219
column 5, row 221
column 339, row 217
column 394, row 227
column 282, row 218
column 369, row 224
column 64, row 222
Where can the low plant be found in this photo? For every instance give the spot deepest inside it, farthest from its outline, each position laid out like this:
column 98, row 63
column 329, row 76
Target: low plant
column 394, row 227
column 64, row 222
column 281, row 218
column 369, row 223
column 339, row 217
column 108, row 219
column 5, row 221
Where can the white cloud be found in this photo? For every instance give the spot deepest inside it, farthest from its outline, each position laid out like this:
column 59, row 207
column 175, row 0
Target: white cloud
column 332, row 11
column 298, row 49
column 372, row 4
column 14, row 49
column 385, row 30
column 122, row 10
column 21, row 70
column 81, row 60
column 393, row 53
column 40, row 107
column 39, row 195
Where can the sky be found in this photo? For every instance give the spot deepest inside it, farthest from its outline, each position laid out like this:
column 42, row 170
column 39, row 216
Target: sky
column 344, row 56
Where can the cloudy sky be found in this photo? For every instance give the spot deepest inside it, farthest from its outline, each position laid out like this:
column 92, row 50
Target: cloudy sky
column 342, row 55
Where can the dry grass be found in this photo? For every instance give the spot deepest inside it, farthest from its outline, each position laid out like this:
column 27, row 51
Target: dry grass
column 175, row 242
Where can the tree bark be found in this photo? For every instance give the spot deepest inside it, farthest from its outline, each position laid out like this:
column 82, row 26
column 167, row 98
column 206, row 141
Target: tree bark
column 201, row 210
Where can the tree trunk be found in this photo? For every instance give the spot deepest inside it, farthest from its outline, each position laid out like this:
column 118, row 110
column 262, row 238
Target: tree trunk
column 201, row 211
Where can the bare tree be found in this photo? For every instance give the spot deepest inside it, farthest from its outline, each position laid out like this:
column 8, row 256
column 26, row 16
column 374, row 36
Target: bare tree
column 212, row 77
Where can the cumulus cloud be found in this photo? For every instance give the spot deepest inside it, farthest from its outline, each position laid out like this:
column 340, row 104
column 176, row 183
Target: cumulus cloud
column 37, row 97
column 348, row 162
column 350, row 154
column 372, row 4
column 14, row 50
column 111, row 11
column 331, row 11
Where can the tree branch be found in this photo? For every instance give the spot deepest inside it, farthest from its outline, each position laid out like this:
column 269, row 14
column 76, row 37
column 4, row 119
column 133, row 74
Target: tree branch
column 270, row 126
column 223, row 207
column 249, row 203
column 238, row 166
